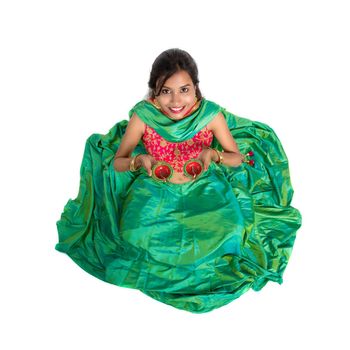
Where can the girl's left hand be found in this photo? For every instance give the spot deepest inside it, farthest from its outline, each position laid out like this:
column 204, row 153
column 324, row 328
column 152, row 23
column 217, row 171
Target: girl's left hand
column 206, row 157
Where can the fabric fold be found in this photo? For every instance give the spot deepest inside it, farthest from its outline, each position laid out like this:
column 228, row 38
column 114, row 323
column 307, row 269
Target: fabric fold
column 195, row 246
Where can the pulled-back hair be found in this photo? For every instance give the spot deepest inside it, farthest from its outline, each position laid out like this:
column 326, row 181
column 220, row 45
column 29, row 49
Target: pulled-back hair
column 168, row 63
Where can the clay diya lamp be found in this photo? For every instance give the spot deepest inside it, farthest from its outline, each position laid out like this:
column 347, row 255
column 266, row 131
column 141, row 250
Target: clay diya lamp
column 193, row 168
column 162, row 171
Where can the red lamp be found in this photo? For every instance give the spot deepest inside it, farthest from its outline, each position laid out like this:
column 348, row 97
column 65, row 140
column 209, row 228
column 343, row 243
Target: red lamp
column 162, row 171
column 193, row 168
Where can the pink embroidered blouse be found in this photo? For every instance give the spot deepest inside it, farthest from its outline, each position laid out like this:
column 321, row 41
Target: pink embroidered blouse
column 175, row 153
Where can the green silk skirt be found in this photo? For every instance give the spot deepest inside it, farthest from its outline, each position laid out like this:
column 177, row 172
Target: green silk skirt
column 195, row 246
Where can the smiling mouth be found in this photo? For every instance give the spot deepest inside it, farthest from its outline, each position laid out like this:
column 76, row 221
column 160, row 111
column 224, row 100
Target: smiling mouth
column 177, row 110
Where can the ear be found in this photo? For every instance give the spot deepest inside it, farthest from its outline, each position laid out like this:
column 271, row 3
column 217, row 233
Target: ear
column 195, row 89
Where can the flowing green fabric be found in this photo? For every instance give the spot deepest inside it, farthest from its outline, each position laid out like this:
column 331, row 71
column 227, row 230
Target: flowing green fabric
column 176, row 130
column 195, row 246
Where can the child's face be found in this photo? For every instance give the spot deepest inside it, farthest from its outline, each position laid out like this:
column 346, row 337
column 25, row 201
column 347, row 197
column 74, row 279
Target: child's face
column 177, row 96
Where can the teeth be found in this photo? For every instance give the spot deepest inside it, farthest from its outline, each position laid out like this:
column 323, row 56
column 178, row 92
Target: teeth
column 176, row 109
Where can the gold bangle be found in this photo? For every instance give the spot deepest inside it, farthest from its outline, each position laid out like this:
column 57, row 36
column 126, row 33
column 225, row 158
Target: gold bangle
column 220, row 157
column 132, row 163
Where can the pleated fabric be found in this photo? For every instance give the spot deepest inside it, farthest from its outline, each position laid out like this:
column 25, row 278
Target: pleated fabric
column 195, row 246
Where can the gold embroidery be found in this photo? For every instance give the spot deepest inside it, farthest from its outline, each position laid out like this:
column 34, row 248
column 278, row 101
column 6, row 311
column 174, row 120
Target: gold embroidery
column 205, row 136
column 182, row 151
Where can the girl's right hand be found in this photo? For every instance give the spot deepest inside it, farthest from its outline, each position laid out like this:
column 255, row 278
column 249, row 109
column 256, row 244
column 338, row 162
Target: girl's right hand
column 146, row 161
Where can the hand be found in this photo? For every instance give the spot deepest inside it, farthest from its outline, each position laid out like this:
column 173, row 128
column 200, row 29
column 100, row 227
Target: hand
column 146, row 161
column 206, row 156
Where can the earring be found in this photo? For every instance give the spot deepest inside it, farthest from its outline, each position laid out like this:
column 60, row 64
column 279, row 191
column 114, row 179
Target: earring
column 156, row 103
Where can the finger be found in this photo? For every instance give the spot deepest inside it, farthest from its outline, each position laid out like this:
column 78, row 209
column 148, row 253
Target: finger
column 148, row 168
column 145, row 163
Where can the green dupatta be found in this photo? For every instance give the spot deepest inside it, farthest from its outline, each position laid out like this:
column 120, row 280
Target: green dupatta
column 176, row 130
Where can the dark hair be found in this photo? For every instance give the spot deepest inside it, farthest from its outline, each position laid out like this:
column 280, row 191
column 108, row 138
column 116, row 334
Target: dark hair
column 168, row 63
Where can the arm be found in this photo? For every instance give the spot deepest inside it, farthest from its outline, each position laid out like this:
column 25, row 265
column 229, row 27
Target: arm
column 231, row 154
column 131, row 138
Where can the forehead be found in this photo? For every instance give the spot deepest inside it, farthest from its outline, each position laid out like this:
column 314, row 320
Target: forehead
column 179, row 78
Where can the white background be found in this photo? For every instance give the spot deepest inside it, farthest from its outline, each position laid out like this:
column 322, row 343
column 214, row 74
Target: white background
column 72, row 68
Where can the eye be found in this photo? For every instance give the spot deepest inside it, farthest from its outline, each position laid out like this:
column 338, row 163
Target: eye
column 164, row 91
column 185, row 89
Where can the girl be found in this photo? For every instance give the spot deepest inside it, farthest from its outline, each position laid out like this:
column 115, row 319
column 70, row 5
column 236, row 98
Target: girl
column 176, row 97
column 172, row 202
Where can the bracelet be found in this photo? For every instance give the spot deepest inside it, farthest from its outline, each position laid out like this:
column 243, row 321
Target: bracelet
column 219, row 154
column 132, row 163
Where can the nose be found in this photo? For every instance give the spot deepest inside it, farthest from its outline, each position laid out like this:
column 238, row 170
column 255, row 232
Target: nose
column 175, row 97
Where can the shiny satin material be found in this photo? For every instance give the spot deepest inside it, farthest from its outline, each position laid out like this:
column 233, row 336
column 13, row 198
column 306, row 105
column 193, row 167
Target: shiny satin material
column 195, row 246
column 176, row 130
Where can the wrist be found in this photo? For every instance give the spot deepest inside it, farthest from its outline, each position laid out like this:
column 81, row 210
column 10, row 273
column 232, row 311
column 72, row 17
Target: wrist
column 134, row 163
column 214, row 156
column 138, row 161
column 219, row 157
